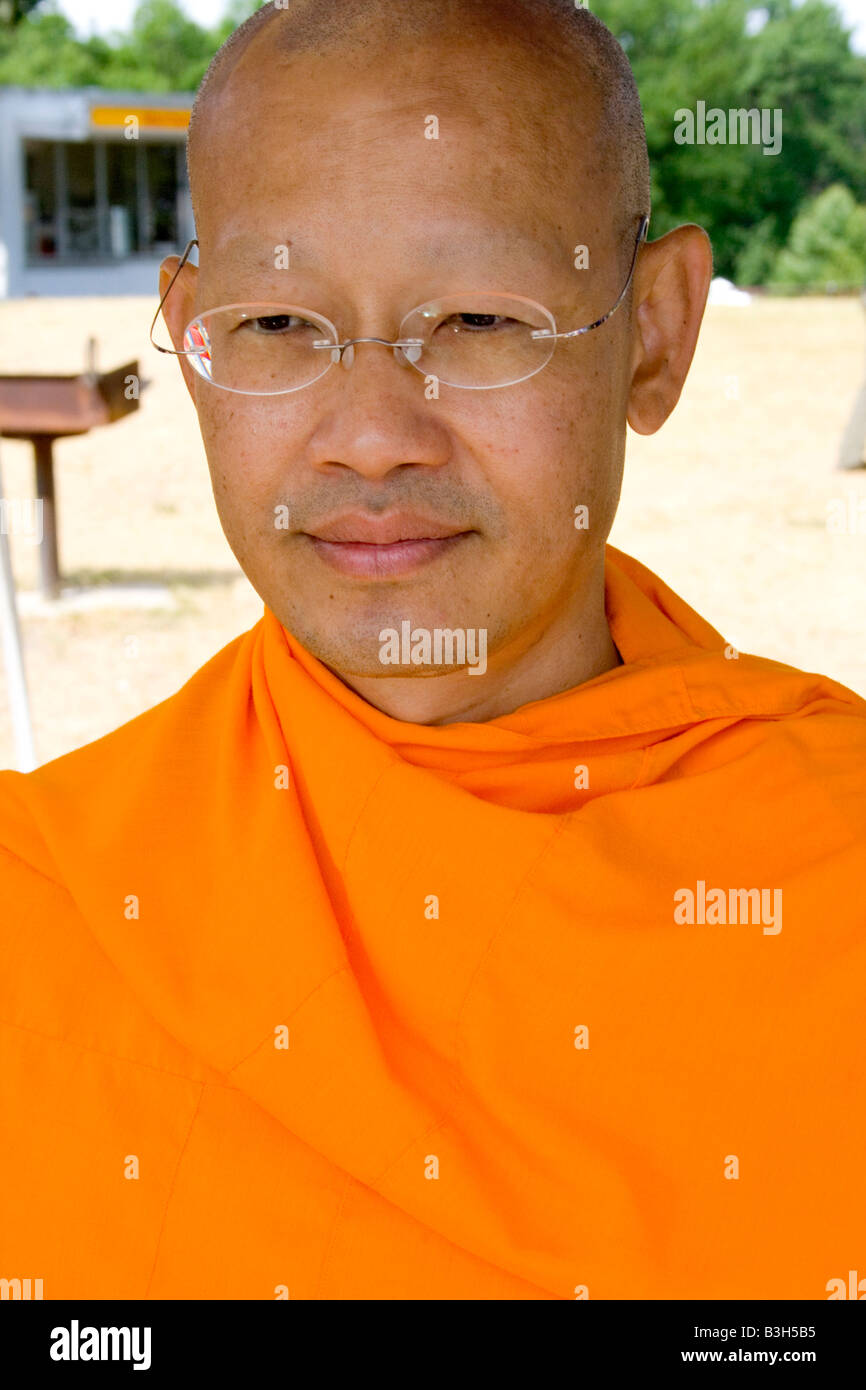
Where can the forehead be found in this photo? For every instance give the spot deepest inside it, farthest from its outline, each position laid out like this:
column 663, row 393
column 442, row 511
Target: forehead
column 464, row 240
column 432, row 146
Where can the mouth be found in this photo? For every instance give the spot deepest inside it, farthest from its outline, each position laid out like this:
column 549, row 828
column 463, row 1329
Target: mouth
column 370, row 561
column 383, row 547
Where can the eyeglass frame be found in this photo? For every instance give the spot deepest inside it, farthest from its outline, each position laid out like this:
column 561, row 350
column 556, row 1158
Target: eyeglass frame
column 337, row 349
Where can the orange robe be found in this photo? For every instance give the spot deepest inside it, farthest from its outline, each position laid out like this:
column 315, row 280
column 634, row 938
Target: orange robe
column 299, row 999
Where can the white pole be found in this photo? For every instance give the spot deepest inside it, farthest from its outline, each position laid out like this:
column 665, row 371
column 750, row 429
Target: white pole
column 13, row 654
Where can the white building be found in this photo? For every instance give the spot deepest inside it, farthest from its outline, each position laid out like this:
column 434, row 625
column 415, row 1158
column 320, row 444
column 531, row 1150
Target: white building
column 93, row 189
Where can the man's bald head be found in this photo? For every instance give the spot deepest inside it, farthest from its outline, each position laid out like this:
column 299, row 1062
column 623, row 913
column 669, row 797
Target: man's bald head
column 569, row 40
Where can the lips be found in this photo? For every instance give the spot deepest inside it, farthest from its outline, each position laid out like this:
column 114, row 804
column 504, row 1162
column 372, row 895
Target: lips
column 383, row 547
column 361, row 528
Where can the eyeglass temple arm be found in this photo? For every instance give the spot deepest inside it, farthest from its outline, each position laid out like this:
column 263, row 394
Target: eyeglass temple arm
column 576, row 332
column 173, row 351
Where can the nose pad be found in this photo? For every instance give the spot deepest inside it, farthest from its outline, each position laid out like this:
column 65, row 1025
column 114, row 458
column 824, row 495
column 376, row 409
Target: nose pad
column 403, row 355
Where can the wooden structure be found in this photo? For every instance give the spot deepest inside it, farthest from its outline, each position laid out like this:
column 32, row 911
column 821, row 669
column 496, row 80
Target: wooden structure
column 45, row 408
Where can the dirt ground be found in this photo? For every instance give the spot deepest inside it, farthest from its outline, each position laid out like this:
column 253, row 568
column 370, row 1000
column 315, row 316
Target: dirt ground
column 728, row 503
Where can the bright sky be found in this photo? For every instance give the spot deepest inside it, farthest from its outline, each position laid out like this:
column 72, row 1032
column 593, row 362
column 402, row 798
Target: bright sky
column 101, row 16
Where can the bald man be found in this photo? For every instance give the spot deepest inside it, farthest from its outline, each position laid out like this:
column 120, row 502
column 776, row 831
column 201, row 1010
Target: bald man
column 480, row 924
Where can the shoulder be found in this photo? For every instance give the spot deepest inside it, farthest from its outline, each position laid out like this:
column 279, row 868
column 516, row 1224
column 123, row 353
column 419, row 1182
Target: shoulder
column 93, row 784
column 782, row 737
column 74, row 835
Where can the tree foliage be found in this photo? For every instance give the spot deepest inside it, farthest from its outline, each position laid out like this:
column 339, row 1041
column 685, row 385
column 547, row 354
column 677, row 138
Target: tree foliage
column 163, row 51
column 798, row 60
column 13, row 11
column 827, row 245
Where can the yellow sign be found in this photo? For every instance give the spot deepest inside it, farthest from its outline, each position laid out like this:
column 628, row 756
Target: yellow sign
column 163, row 117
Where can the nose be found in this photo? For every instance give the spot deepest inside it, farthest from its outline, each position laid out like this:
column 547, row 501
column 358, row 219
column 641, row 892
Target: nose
column 378, row 415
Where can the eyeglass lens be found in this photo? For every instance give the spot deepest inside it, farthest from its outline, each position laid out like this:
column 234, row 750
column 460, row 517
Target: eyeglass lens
column 468, row 340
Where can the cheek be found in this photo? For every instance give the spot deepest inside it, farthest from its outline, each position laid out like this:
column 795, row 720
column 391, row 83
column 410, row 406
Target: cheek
column 242, row 447
column 555, row 449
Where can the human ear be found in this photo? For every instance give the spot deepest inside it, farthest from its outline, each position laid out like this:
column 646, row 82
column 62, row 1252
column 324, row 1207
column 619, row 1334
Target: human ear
column 178, row 309
column 672, row 282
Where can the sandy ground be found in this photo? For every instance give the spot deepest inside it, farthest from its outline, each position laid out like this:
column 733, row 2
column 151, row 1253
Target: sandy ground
column 729, row 504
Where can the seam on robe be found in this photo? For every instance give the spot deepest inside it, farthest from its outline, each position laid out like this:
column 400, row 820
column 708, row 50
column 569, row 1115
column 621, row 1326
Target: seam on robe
column 19, row 859
column 127, row 982
column 110, row 1056
column 639, row 726
column 425, row 1133
column 718, row 704
column 409, row 1216
column 341, row 969
column 687, row 690
column 332, row 1236
column 457, row 1049
column 396, row 763
column 644, row 771
column 174, row 1178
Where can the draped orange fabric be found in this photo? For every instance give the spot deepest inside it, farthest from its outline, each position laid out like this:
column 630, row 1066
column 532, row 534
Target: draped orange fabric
column 301, row 999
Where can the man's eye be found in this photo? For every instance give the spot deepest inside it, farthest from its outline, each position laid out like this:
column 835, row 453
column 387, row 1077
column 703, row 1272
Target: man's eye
column 275, row 323
column 475, row 322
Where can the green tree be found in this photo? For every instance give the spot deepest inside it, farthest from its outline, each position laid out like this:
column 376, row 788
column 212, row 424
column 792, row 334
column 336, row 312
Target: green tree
column 798, row 61
column 44, row 51
column 13, row 11
column 826, row 248
column 164, row 51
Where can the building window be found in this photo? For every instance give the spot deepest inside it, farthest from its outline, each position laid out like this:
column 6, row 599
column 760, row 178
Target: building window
column 123, row 211
column 82, row 214
column 40, row 200
column 162, row 184
column 103, row 200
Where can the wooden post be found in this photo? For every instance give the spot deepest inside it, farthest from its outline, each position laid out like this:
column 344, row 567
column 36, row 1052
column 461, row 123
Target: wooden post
column 49, row 564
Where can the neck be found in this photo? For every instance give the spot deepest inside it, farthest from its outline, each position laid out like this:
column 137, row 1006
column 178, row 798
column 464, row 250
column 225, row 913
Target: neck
column 572, row 648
